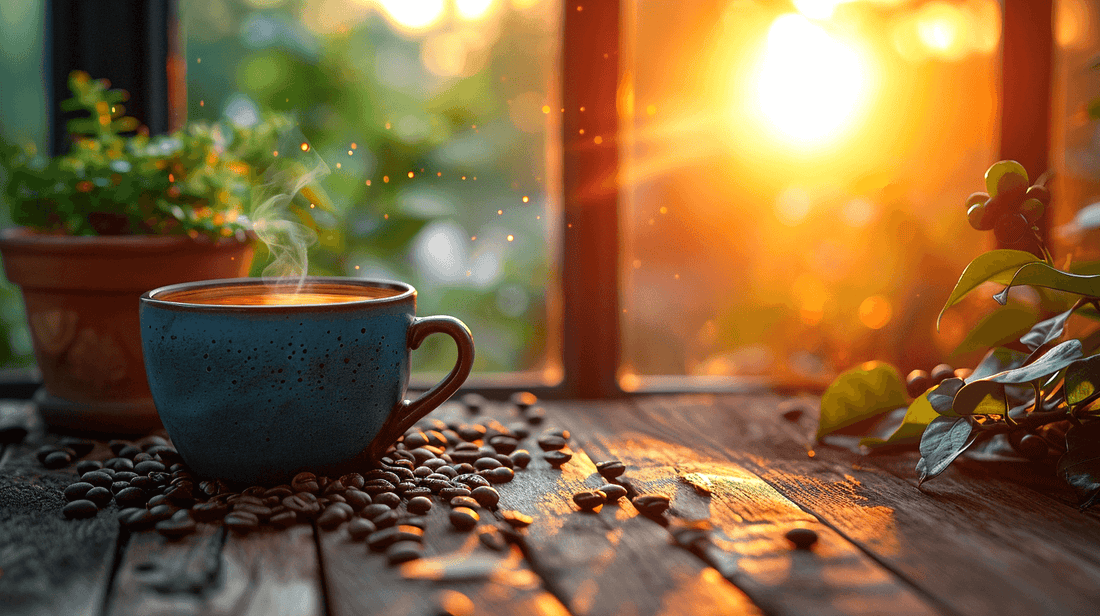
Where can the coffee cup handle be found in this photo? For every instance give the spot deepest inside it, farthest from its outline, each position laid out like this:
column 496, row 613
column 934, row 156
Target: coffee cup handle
column 408, row 412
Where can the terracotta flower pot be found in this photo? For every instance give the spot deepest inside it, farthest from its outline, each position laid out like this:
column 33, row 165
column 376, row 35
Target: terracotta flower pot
column 81, row 295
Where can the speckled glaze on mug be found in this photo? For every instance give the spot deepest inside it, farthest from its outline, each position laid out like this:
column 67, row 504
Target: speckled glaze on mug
column 258, row 393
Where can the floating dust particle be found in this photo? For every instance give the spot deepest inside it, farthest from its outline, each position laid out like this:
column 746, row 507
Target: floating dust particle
column 356, row 267
column 677, row 276
column 500, row 212
column 368, row 182
column 439, row 174
column 582, row 109
column 597, row 140
column 469, row 273
column 525, row 199
column 651, row 109
column 546, row 108
column 811, row 453
column 511, row 237
column 354, row 146
column 579, row 8
column 385, row 179
column 581, row 131
column 411, row 174
column 473, row 237
column 350, row 152
column 202, row 103
column 463, row 177
column 386, row 216
column 275, row 153
column 198, row 60
column 474, row 178
column 312, row 206
column 637, row 263
column 305, row 147
column 652, row 222
column 171, row 177
column 388, row 126
column 338, row 165
column 663, row 210
column 538, row 217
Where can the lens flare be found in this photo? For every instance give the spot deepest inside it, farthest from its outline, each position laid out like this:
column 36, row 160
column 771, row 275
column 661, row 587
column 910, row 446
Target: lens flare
column 810, row 84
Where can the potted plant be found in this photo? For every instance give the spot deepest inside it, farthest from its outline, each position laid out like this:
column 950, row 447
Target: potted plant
column 117, row 215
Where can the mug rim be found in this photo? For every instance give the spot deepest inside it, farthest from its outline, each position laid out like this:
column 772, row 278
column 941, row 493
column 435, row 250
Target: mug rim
column 406, row 293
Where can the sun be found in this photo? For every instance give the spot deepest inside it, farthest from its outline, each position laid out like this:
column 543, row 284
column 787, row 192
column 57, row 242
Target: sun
column 810, row 85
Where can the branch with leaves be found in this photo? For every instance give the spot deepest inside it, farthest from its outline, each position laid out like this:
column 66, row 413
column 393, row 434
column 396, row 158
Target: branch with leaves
column 1041, row 394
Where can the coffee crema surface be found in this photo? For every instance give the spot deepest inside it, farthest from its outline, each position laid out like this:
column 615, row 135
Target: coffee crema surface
column 288, row 295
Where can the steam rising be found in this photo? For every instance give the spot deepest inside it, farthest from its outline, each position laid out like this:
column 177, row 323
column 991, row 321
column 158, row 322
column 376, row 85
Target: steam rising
column 280, row 200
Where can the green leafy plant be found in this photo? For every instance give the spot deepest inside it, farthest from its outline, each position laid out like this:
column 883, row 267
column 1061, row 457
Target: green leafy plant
column 117, row 180
column 1035, row 397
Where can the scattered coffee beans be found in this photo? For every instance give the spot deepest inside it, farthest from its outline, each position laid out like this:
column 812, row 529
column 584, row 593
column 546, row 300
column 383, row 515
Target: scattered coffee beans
column 557, row 458
column 80, row 509
column 651, row 505
column 589, row 500
column 612, row 491
column 516, row 519
column 610, row 469
column 802, row 538
column 464, row 518
column 419, row 504
column 403, row 551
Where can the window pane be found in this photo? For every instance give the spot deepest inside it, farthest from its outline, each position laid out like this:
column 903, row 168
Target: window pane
column 433, row 118
column 795, row 182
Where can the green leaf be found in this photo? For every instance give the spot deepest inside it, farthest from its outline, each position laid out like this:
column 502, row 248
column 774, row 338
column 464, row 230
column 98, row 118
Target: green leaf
column 942, row 397
column 993, row 266
column 860, row 393
column 997, row 360
column 944, row 440
column 1082, row 379
column 917, row 417
column 1046, row 331
column 988, row 395
column 1080, row 465
column 997, row 328
column 1043, row 275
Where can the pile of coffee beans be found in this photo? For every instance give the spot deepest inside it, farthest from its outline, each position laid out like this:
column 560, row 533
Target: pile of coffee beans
column 64, row 452
column 919, row 381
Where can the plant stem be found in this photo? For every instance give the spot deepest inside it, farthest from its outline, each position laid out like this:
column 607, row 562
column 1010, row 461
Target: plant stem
column 1029, row 423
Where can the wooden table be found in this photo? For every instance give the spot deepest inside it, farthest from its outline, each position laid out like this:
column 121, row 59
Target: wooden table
column 981, row 539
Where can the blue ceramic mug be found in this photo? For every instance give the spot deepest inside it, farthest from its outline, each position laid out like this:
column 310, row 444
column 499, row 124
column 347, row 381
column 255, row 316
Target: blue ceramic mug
column 257, row 382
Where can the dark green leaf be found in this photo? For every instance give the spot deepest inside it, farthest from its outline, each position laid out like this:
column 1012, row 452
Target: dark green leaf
column 860, row 393
column 1046, row 331
column 944, row 440
column 1052, row 361
column 942, row 397
column 917, row 417
column 1040, row 274
column 997, row 360
column 994, row 266
column 1082, row 379
column 1080, row 465
column 989, row 396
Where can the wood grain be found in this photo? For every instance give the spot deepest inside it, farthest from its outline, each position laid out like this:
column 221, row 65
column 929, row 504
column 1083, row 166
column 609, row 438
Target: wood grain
column 614, row 561
column 217, row 572
column 971, row 546
column 749, row 520
column 48, row 564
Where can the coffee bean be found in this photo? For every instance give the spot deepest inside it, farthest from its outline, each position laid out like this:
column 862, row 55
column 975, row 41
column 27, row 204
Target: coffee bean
column 117, row 445
column 449, row 493
column 334, row 516
column 464, row 501
column 80, row 446
column 474, row 402
column 179, row 525
column 486, row 463
column 382, row 539
column 134, row 518
column 43, row 451
column 419, row 521
column 610, row 469
column 79, row 509
column 126, row 476
column 423, row 471
column 487, row 497
column 129, row 451
column 358, row 529
column 389, row 476
column 162, row 512
column 516, row 519
column 87, row 466
column 304, row 507
column 158, row 499
column 130, row 497
column 418, row 491
column 589, row 500
column 244, row 499
column 551, row 443
column 503, row 444
column 209, row 511
column 464, row 468
column 403, row 551
column 419, row 504
column 377, row 486
column 279, row 492
column 284, row 519
column 651, row 505
column 416, row 439
column 519, row 430
column 500, row 475
column 119, row 486
column 464, row 518
column 535, row 415
column 100, row 496
column 241, row 522
column 162, row 479
column 183, row 493
column 472, row 480
column 557, row 458
column 357, row 499
column 142, row 457
column 77, row 490
column 390, row 499
column 940, row 373
column 523, row 399
column 259, row 511
column 612, row 491
column 520, row 458
column 305, row 482
column 353, row 480
column 334, row 488
column 372, row 511
column 465, row 456
column 491, row 538
column 145, row 483
column 802, row 538
column 405, row 486
column 119, row 464
column 149, row 466
column 57, row 459
column 385, row 520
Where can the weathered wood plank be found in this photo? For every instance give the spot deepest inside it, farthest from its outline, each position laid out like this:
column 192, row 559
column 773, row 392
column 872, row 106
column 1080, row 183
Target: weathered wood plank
column 614, row 561
column 215, row 572
column 48, row 564
column 749, row 520
column 974, row 545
